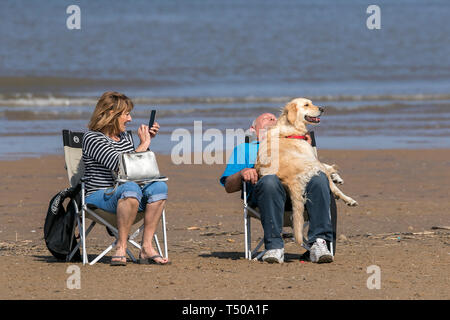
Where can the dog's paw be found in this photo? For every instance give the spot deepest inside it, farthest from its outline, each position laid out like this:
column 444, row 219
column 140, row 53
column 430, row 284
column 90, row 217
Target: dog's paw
column 336, row 178
column 352, row 203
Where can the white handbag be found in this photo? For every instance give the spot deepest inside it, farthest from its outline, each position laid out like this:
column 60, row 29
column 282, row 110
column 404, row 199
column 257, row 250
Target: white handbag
column 139, row 167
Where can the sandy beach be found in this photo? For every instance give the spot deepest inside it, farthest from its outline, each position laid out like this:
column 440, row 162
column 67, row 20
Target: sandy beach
column 402, row 194
column 380, row 71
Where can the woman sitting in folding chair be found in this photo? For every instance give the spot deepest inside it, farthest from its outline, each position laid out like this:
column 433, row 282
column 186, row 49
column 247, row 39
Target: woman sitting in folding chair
column 106, row 139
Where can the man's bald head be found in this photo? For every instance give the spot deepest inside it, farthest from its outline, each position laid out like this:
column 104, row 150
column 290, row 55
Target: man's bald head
column 262, row 122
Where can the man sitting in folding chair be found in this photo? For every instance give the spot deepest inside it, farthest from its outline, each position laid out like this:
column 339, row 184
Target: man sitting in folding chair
column 106, row 139
column 269, row 195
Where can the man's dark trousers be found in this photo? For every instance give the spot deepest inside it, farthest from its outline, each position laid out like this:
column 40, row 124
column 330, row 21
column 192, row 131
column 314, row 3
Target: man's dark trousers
column 272, row 200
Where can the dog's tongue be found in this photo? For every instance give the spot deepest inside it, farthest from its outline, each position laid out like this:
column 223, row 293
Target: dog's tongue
column 312, row 119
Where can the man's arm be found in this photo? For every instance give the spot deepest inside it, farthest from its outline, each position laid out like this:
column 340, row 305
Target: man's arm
column 233, row 183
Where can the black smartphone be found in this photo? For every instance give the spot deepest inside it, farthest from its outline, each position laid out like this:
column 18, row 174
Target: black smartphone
column 152, row 119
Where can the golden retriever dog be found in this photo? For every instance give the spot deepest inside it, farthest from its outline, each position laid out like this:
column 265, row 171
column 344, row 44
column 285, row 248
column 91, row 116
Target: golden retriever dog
column 286, row 153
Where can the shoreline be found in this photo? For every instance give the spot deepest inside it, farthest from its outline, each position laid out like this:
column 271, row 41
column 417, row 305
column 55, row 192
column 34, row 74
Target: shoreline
column 25, row 155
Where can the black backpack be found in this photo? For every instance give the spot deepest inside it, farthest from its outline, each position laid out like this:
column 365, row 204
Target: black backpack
column 59, row 225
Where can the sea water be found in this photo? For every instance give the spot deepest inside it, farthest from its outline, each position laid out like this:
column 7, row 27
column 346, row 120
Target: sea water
column 225, row 62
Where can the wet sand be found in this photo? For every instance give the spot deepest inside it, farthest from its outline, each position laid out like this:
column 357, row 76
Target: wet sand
column 402, row 194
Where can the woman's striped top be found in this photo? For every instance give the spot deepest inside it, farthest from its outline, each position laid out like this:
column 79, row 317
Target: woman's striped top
column 100, row 157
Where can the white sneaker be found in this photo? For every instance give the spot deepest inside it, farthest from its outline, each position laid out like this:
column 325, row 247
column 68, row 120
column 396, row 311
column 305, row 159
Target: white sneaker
column 319, row 252
column 274, row 256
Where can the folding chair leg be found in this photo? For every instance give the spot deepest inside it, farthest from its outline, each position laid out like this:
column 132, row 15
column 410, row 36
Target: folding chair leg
column 249, row 253
column 245, row 233
column 249, row 237
column 255, row 251
column 69, row 257
column 83, row 233
column 164, row 232
column 103, row 253
column 155, row 238
column 260, row 254
column 76, row 224
column 131, row 256
column 83, row 223
column 83, row 238
column 137, row 232
column 134, row 243
column 246, row 223
column 86, row 233
column 73, row 252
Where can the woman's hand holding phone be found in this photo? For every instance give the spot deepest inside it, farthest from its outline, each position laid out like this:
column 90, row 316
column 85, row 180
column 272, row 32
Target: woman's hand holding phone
column 154, row 129
column 144, row 137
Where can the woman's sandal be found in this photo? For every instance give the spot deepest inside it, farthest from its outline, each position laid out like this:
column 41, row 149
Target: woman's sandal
column 118, row 262
column 152, row 260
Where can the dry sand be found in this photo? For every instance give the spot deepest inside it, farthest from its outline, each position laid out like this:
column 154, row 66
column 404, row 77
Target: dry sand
column 402, row 193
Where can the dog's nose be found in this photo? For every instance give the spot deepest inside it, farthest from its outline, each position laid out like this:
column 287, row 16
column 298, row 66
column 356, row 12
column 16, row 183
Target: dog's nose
column 322, row 110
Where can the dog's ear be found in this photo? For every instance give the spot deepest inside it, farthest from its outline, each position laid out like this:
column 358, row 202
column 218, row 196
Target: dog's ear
column 291, row 112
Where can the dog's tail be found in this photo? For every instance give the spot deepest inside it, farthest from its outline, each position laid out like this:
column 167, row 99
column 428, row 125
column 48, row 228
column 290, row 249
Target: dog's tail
column 297, row 222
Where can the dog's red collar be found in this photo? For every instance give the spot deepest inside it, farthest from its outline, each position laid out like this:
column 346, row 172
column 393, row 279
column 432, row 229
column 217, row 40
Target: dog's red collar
column 297, row 137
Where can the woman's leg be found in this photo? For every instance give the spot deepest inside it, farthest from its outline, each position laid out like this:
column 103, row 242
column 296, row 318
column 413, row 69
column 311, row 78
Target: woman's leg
column 152, row 215
column 155, row 195
column 124, row 202
column 126, row 212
